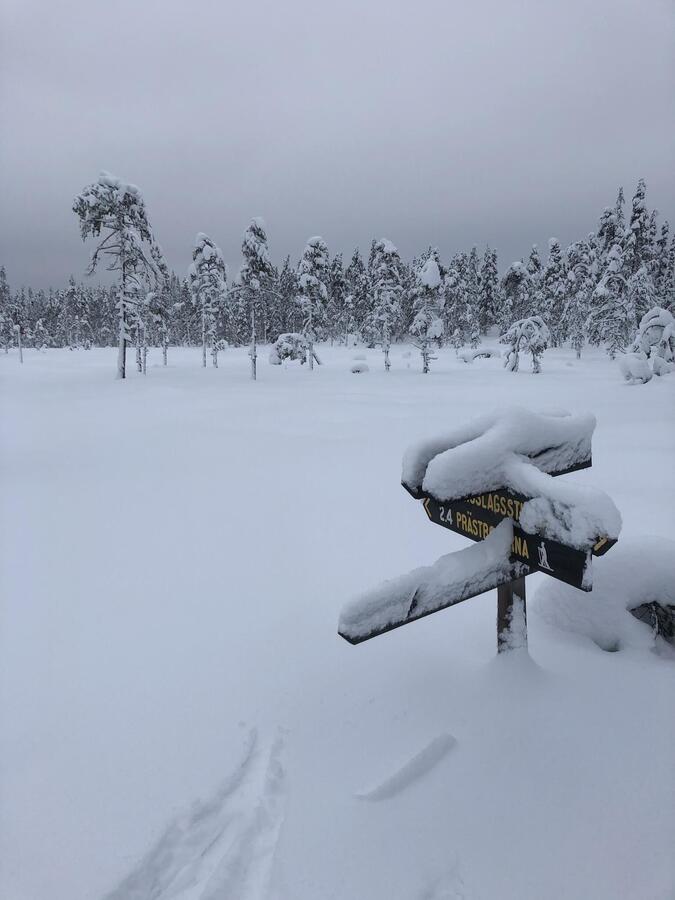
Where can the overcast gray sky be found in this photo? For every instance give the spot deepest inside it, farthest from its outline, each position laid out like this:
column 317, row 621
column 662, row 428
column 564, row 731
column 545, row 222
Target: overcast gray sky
column 448, row 123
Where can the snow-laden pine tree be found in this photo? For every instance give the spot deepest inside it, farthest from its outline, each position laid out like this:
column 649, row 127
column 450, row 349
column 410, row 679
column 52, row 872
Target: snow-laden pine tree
column 159, row 305
column 453, row 306
column 427, row 324
column 387, row 289
column 635, row 244
column 488, row 300
column 516, row 295
column 253, row 278
column 74, row 329
column 553, row 285
column 357, row 289
column 580, row 286
column 206, row 277
column 471, row 309
column 337, row 291
column 611, row 320
column 312, row 278
column 116, row 209
column 5, row 311
column 660, row 266
column 641, row 296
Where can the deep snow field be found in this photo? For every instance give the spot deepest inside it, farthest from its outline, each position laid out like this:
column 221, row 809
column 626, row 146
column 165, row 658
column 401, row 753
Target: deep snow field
column 176, row 550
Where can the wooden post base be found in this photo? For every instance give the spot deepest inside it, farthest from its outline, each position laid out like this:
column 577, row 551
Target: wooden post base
column 511, row 616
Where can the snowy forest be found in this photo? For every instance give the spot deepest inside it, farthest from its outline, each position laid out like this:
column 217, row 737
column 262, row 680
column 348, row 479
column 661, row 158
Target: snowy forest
column 594, row 291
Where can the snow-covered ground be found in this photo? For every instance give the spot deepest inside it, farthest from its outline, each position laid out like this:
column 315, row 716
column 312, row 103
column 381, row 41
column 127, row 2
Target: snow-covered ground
column 176, row 551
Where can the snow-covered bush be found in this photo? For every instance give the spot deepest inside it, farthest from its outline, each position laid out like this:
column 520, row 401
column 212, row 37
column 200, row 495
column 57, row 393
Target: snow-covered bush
column 635, row 368
column 656, row 334
column 359, row 367
column 289, row 346
column 529, row 335
column 653, row 350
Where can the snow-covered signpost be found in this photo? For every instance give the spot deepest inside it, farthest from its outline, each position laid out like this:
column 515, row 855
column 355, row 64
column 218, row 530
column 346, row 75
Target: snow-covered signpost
column 493, row 481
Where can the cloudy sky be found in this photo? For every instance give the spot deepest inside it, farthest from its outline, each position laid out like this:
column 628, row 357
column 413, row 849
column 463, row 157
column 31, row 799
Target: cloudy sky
column 444, row 122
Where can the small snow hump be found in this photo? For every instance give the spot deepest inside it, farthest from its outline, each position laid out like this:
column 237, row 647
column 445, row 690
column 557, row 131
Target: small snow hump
column 359, row 367
column 411, row 771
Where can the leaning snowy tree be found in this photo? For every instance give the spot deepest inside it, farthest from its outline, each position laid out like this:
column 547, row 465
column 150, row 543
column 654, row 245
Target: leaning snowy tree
column 206, row 277
column 387, row 289
column 427, row 324
column 254, row 272
column 527, row 335
column 312, row 277
column 116, row 208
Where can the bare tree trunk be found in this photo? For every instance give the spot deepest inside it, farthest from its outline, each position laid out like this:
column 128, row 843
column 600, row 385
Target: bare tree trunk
column 144, row 356
column 214, row 355
column 18, row 339
column 253, row 352
column 310, row 338
column 203, row 337
column 165, row 347
column 122, row 341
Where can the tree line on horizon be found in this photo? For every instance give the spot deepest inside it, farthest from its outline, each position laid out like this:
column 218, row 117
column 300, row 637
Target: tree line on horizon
column 596, row 290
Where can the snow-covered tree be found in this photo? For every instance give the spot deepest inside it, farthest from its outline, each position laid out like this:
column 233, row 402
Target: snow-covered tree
column 611, row 320
column 579, row 290
column 312, row 278
column 427, row 324
column 529, row 335
column 472, row 307
column 661, row 264
column 635, row 245
column 516, row 295
column 488, row 298
column 337, row 292
column 553, row 284
column 117, row 209
column 253, row 278
column 387, row 289
column 207, row 280
column 358, row 292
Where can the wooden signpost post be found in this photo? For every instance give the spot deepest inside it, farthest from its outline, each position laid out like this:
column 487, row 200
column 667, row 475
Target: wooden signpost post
column 476, row 517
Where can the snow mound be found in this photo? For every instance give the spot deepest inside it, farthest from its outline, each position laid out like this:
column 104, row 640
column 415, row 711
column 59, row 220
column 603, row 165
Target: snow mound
column 460, row 575
column 359, row 367
column 635, row 368
column 411, row 771
column 638, row 570
column 517, row 450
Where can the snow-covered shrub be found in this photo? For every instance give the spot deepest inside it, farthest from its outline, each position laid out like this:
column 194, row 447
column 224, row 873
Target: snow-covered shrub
column 656, row 335
column 661, row 366
column 635, row 368
column 289, row 346
column 359, row 357
column 359, row 367
column 529, row 335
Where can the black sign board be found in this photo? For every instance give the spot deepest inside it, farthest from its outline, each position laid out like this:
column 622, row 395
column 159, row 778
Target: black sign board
column 539, row 554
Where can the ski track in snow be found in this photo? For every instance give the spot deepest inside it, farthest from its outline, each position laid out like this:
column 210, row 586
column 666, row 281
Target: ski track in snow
column 223, row 847
column 414, row 769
